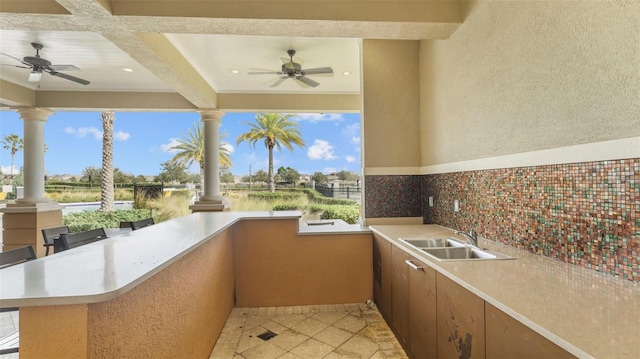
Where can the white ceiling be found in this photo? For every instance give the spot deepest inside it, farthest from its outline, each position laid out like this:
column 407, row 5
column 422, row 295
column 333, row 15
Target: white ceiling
column 213, row 56
column 181, row 51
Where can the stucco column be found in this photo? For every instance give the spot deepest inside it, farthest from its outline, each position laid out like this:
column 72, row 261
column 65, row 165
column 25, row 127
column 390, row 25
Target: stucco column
column 23, row 220
column 211, row 200
column 33, row 122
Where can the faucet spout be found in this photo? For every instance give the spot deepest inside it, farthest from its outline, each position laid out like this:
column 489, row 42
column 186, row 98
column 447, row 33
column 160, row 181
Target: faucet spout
column 471, row 237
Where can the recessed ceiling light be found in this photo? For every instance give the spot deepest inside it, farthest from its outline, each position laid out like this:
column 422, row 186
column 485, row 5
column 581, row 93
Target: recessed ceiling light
column 127, row 69
column 346, row 73
column 234, row 71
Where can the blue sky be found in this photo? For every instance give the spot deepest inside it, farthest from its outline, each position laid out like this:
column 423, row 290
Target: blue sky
column 142, row 141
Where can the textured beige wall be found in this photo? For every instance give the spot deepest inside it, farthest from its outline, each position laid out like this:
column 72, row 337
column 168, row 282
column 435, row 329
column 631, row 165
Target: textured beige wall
column 274, row 266
column 390, row 103
column 177, row 313
column 520, row 76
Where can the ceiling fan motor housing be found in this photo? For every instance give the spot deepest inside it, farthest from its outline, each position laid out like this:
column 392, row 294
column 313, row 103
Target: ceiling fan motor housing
column 291, row 69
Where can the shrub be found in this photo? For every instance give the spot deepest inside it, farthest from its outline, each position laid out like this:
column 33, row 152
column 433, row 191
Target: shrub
column 287, row 207
column 166, row 208
column 273, row 196
column 84, row 221
column 347, row 213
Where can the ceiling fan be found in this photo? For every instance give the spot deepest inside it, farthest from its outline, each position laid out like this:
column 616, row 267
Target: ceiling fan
column 293, row 70
column 38, row 65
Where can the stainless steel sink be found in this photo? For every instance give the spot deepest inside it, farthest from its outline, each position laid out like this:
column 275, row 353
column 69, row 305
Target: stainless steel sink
column 463, row 253
column 434, row 242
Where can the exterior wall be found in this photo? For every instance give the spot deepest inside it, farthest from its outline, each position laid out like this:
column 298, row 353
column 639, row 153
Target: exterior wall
column 582, row 213
column 519, row 76
column 390, row 107
column 274, row 266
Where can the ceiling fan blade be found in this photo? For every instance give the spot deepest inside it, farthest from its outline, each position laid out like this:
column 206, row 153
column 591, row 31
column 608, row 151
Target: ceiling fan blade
column 280, row 80
column 307, row 81
column 22, row 67
column 317, row 70
column 264, row 73
column 69, row 77
column 17, row 59
column 58, row 68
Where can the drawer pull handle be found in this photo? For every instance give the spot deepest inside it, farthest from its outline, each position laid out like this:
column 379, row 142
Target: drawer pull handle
column 412, row 265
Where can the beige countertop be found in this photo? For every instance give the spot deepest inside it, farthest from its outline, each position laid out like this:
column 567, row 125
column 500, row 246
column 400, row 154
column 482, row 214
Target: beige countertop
column 109, row 268
column 589, row 314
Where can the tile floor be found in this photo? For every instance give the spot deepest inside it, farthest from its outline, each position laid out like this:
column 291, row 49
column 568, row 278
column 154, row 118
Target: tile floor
column 307, row 332
column 8, row 324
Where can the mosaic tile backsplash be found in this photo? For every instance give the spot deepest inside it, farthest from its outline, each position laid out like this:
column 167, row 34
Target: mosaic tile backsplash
column 392, row 196
column 584, row 213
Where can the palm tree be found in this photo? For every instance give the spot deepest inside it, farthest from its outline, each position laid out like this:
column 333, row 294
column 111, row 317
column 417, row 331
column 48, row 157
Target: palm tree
column 191, row 148
column 106, row 178
column 276, row 130
column 14, row 144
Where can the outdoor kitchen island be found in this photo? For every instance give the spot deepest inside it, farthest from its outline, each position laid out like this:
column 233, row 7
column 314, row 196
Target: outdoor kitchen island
column 165, row 291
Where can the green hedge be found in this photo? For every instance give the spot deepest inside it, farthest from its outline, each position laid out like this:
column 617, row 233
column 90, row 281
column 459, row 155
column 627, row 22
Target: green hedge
column 84, row 221
column 274, row 196
column 347, row 213
column 288, row 207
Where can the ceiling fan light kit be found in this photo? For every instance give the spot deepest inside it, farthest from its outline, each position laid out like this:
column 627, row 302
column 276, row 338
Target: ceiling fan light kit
column 38, row 65
column 293, row 70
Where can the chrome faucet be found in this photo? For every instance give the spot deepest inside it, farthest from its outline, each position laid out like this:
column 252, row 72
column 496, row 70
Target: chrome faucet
column 471, row 237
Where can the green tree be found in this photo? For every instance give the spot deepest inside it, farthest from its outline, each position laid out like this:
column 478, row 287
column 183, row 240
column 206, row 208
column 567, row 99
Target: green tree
column 172, row 172
column 346, row 175
column 319, row 177
column 288, row 175
column 140, row 179
column 13, row 143
column 122, row 177
column 276, row 130
column 91, row 175
column 258, row 176
column 191, row 149
column 226, row 176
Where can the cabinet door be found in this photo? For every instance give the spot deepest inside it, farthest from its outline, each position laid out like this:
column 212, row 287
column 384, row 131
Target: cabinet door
column 400, row 295
column 422, row 310
column 460, row 321
column 382, row 275
column 508, row 338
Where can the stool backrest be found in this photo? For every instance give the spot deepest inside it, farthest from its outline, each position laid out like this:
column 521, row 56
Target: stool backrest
column 73, row 240
column 142, row 223
column 16, row 256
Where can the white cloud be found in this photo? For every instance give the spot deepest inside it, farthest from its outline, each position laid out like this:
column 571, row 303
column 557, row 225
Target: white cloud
column 352, row 130
column 82, row 132
column 328, row 170
column 121, row 136
column 228, row 146
column 350, row 159
column 168, row 147
column 355, row 140
column 321, row 150
column 7, row 170
column 319, row 117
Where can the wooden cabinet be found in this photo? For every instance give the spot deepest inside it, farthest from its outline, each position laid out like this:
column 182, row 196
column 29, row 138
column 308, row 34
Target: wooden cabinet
column 414, row 304
column 422, row 311
column 508, row 338
column 382, row 275
column 460, row 321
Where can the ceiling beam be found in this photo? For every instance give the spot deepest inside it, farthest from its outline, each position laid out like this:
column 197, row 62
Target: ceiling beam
column 101, row 101
column 288, row 103
column 16, row 95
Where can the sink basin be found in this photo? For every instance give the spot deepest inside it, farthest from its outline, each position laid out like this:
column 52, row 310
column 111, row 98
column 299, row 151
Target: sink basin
column 463, row 253
column 435, row 242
